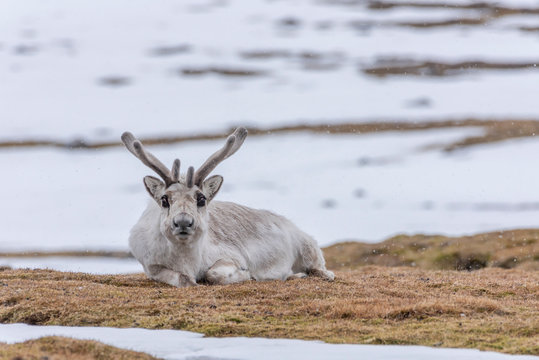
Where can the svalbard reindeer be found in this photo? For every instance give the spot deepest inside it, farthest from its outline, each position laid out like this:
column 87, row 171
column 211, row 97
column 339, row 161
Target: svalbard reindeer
column 184, row 236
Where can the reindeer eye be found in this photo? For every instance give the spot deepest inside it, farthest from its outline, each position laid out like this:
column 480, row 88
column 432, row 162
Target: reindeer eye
column 201, row 200
column 164, row 201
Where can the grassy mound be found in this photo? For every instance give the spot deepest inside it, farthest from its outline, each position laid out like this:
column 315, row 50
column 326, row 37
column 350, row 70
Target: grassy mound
column 505, row 249
column 490, row 309
column 64, row 348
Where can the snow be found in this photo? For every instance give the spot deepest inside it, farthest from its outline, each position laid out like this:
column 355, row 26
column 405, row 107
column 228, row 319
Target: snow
column 176, row 344
column 54, row 55
column 335, row 187
column 86, row 264
column 345, row 187
column 54, row 92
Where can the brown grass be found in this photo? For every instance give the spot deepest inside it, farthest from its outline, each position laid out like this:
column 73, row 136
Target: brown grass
column 222, row 71
column 490, row 309
column 529, row 28
column 444, row 23
column 505, row 249
column 495, row 131
column 485, row 11
column 492, row 9
column 55, row 348
column 402, row 67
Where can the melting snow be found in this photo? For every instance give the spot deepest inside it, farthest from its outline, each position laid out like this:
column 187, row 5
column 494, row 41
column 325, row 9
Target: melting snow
column 183, row 345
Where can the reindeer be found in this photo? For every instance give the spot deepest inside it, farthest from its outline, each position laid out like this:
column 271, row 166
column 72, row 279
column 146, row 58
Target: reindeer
column 184, row 236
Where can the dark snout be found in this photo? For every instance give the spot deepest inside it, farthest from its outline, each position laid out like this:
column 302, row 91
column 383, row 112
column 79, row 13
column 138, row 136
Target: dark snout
column 183, row 224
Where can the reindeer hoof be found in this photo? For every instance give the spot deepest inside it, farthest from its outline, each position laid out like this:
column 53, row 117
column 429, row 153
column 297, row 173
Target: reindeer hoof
column 322, row 273
column 299, row 275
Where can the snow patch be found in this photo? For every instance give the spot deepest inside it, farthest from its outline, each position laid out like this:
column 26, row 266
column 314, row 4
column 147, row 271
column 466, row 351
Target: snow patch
column 183, row 345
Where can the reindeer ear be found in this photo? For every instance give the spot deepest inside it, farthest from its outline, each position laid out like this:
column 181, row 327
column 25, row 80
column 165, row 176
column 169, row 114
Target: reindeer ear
column 211, row 186
column 154, row 186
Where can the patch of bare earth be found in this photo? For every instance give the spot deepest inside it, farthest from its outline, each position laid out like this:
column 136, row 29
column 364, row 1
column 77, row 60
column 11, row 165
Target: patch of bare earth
column 170, row 50
column 407, row 67
column 483, row 12
column 362, row 25
column 492, row 9
column 308, row 60
column 222, row 71
column 50, row 348
column 494, row 131
column 490, row 309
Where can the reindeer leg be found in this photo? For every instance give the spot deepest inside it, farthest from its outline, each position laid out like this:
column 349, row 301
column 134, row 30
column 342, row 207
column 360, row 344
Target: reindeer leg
column 162, row 274
column 322, row 273
column 225, row 272
column 314, row 261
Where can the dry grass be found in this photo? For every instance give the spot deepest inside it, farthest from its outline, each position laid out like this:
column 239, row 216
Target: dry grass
column 495, row 131
column 405, row 67
column 222, row 71
column 491, row 309
column 492, row 9
column 505, row 249
column 54, row 348
column 485, row 12
column 444, row 23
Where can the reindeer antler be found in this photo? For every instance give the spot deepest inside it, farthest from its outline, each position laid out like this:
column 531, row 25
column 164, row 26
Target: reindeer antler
column 175, row 172
column 233, row 143
column 135, row 147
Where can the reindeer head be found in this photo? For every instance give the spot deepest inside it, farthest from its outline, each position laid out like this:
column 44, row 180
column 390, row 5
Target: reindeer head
column 184, row 198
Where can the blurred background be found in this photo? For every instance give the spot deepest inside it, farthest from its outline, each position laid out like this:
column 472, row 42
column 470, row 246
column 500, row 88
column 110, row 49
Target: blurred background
column 367, row 118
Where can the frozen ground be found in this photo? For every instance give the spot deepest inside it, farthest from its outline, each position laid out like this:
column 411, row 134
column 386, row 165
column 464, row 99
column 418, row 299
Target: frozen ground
column 175, row 344
column 79, row 69
column 73, row 68
column 346, row 187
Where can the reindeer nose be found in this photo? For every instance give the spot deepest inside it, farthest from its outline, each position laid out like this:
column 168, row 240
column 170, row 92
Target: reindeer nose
column 183, row 221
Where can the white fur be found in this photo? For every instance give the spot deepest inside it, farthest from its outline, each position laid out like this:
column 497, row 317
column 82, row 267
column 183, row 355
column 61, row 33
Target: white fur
column 240, row 243
column 183, row 236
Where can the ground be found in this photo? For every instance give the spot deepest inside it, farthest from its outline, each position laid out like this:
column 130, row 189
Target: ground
column 53, row 348
column 505, row 249
column 495, row 130
column 383, row 77
column 490, row 309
